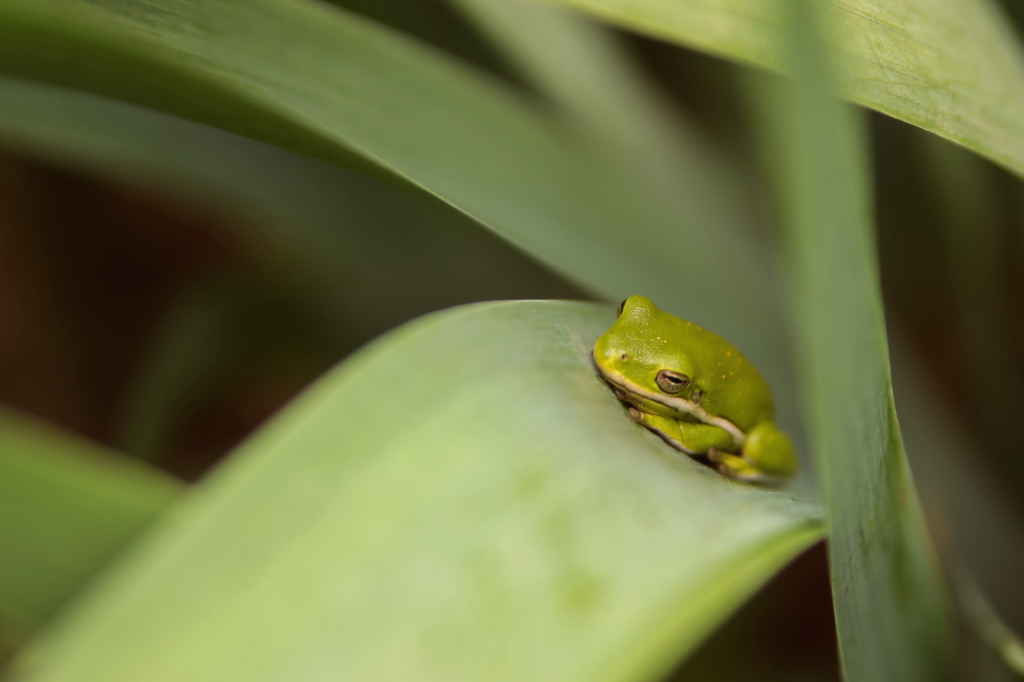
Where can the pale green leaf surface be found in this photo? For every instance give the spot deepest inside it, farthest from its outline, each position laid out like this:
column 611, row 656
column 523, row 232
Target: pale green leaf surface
column 953, row 67
column 499, row 518
column 318, row 80
column 891, row 612
column 66, row 506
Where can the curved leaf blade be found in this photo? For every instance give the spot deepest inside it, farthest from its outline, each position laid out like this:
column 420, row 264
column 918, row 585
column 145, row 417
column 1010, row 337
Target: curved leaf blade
column 342, row 232
column 66, row 506
column 953, row 68
column 500, row 520
column 892, row 615
column 587, row 70
column 323, row 82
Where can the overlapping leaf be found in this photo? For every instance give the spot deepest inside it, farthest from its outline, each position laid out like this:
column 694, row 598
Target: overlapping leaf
column 66, row 506
column 464, row 500
column 954, row 68
column 891, row 611
column 323, row 82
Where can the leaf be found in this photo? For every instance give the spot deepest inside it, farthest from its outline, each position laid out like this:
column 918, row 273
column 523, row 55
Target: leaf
column 891, row 611
column 66, row 506
column 463, row 500
column 990, row 627
column 588, row 71
column 951, row 67
column 352, row 239
column 977, row 530
column 217, row 333
column 320, row 81
column 971, row 234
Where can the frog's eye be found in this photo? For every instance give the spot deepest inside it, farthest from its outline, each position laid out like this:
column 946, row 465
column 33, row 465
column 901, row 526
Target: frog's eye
column 671, row 382
column 621, row 306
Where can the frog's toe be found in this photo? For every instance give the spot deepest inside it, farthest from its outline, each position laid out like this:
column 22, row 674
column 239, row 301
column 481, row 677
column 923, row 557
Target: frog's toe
column 740, row 469
column 636, row 415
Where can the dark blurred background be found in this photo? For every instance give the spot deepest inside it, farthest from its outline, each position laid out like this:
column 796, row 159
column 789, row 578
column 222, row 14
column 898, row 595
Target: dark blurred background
column 165, row 322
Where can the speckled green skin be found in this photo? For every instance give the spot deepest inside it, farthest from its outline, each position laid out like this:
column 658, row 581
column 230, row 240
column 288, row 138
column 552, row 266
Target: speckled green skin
column 644, row 340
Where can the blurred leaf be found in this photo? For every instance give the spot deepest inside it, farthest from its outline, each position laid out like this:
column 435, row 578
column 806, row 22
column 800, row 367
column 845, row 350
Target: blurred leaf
column 498, row 518
column 977, row 532
column 66, row 506
column 891, row 612
column 966, row 209
column 321, row 81
column 952, row 67
column 435, row 22
column 358, row 242
column 974, row 525
column 217, row 328
column 989, row 626
column 586, row 70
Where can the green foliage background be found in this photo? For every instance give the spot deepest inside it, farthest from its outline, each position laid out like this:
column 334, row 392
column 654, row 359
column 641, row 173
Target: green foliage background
column 462, row 498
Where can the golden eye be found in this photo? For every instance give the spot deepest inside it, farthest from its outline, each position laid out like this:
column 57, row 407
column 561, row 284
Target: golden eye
column 671, row 382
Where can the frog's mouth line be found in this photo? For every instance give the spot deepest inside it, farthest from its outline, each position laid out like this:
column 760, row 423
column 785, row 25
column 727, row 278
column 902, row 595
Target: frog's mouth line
column 682, row 405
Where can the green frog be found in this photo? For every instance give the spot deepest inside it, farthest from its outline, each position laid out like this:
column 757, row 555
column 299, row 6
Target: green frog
column 695, row 390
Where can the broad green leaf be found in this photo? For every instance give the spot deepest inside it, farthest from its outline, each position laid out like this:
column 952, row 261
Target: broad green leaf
column 952, row 67
column 499, row 518
column 890, row 607
column 66, row 506
column 318, row 80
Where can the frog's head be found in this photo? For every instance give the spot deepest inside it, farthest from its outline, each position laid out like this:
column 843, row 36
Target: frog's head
column 646, row 354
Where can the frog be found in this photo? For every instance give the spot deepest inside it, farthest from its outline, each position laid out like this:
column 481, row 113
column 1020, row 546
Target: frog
column 696, row 391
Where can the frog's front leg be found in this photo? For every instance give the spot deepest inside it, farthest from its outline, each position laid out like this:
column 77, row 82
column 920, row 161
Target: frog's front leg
column 768, row 456
column 691, row 438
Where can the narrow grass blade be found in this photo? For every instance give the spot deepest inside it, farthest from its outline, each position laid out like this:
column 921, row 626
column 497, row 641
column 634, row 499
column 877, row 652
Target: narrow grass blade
column 977, row 530
column 974, row 525
column 970, row 228
column 220, row 332
column 989, row 626
column 499, row 518
column 66, row 506
column 891, row 610
column 952, row 67
column 586, row 70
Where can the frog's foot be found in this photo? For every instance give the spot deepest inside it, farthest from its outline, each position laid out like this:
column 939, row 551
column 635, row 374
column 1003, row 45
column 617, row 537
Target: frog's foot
column 741, row 469
column 665, row 427
column 619, row 393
